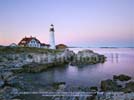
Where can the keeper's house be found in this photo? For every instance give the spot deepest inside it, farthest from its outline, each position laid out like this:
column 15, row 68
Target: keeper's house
column 32, row 42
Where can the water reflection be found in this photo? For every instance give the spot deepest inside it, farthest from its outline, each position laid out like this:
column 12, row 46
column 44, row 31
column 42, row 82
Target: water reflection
column 114, row 57
column 119, row 61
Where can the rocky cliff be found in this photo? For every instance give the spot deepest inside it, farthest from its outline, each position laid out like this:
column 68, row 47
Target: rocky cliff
column 34, row 59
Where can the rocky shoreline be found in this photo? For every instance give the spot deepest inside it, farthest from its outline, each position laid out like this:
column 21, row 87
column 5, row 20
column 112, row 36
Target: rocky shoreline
column 109, row 89
column 36, row 60
column 19, row 60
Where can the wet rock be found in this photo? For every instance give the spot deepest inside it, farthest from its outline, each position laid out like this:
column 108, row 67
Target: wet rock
column 7, row 93
column 1, row 83
column 61, row 88
column 122, row 77
column 12, row 81
column 129, row 87
column 93, row 88
column 109, row 85
column 6, row 75
column 59, row 85
column 92, row 97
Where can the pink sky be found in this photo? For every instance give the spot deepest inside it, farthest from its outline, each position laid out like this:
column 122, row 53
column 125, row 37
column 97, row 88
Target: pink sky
column 77, row 23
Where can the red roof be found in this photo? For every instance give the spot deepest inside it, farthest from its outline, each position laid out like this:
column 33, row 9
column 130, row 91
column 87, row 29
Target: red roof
column 26, row 40
column 61, row 45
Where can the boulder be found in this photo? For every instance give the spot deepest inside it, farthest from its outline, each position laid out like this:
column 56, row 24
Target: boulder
column 7, row 93
column 109, row 85
column 93, row 88
column 6, row 75
column 129, row 87
column 121, row 77
column 12, row 80
column 59, row 85
column 1, row 83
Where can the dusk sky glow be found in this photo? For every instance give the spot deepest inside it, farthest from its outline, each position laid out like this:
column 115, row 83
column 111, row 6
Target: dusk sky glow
column 92, row 23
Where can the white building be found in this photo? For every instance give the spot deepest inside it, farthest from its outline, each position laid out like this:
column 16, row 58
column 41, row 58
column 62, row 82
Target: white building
column 43, row 45
column 32, row 42
column 13, row 45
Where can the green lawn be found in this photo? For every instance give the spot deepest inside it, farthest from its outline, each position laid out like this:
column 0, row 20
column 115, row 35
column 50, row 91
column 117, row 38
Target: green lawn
column 5, row 50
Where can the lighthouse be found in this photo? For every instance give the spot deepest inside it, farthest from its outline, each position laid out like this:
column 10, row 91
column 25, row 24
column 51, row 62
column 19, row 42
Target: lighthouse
column 52, row 39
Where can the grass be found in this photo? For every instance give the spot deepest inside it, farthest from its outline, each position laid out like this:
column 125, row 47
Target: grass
column 12, row 50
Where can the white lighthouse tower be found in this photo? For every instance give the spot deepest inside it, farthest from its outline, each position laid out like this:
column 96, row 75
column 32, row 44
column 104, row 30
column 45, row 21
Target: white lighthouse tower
column 52, row 39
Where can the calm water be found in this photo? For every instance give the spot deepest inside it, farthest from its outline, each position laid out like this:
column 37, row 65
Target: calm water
column 119, row 61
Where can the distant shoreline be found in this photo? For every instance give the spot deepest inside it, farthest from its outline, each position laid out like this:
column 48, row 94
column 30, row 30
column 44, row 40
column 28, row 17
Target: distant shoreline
column 84, row 47
column 101, row 47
